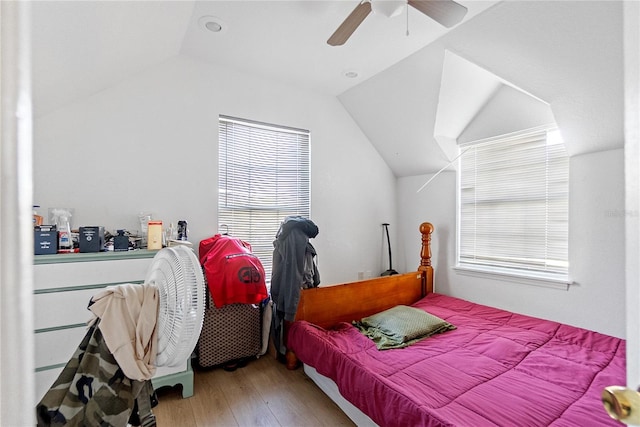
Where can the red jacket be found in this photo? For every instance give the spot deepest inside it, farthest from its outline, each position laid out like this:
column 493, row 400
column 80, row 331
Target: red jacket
column 234, row 274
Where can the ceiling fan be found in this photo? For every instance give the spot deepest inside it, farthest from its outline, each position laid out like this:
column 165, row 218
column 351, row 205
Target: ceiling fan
column 445, row 12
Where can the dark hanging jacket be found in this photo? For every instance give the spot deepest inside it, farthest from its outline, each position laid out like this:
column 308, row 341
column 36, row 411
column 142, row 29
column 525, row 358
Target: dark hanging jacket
column 293, row 265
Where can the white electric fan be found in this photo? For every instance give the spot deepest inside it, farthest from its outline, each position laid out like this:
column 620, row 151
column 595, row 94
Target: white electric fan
column 177, row 274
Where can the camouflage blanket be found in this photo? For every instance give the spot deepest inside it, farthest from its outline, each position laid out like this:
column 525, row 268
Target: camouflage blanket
column 92, row 390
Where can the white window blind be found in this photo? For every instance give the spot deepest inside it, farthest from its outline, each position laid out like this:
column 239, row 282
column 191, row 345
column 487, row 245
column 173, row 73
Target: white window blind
column 514, row 200
column 264, row 176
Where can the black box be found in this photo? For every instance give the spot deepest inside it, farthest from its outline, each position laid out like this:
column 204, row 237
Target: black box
column 91, row 239
column 45, row 239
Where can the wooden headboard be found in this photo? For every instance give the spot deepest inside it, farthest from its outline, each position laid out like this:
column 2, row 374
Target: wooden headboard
column 327, row 306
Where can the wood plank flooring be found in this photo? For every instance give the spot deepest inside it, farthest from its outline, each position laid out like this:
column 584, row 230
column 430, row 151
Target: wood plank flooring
column 263, row 393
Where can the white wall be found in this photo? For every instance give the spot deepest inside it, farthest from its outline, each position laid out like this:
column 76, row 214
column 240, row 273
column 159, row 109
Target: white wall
column 150, row 144
column 596, row 247
column 436, row 204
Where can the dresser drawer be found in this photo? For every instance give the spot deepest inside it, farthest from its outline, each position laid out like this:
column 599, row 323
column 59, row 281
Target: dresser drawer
column 44, row 381
column 66, row 308
column 57, row 346
column 64, row 285
column 54, row 276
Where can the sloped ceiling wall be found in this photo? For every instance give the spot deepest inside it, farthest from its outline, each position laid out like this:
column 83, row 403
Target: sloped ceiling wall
column 507, row 110
column 475, row 104
column 397, row 110
column 81, row 48
column 464, row 90
column 567, row 54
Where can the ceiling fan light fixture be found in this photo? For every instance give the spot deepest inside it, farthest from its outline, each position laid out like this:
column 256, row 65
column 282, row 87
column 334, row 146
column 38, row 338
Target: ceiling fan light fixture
column 388, row 8
column 445, row 12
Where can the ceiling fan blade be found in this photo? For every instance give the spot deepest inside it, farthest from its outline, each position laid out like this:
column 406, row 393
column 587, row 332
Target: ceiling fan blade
column 355, row 18
column 445, row 12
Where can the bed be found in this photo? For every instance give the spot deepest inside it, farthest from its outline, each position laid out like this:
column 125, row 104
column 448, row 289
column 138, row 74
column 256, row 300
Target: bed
column 496, row 368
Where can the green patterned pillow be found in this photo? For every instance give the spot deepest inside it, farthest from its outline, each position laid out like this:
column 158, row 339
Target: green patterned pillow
column 401, row 326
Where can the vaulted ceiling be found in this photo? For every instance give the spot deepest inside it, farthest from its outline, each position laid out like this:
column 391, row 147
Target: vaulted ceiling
column 414, row 95
column 84, row 46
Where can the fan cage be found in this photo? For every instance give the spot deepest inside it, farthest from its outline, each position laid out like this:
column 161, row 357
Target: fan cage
column 177, row 274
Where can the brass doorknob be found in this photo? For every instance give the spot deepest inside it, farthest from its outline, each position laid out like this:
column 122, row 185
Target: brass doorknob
column 622, row 404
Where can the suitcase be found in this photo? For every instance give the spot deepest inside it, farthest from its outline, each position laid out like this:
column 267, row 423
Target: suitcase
column 230, row 335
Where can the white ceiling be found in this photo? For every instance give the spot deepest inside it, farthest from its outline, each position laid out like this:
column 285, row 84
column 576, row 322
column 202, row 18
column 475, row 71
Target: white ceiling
column 286, row 40
column 86, row 46
column 567, row 54
column 83, row 47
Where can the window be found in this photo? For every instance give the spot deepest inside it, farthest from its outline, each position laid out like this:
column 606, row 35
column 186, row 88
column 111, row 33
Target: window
column 264, row 177
column 513, row 206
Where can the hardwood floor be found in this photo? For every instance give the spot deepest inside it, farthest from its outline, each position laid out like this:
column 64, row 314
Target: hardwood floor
column 263, row 393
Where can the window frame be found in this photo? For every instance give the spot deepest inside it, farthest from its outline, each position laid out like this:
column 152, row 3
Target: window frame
column 558, row 280
column 300, row 179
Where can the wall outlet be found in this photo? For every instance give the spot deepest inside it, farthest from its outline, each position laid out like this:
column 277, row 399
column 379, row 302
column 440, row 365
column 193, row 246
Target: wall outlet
column 360, row 275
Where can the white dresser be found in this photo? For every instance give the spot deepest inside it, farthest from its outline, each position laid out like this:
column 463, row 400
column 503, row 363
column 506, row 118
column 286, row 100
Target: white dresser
column 64, row 284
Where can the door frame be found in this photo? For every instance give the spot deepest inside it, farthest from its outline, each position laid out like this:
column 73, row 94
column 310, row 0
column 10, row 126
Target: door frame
column 16, row 228
column 631, row 41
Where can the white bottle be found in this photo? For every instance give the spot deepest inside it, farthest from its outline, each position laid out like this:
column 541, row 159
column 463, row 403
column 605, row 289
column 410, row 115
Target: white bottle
column 62, row 218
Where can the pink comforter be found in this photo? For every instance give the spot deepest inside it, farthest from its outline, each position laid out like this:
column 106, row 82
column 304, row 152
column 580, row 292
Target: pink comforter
column 496, row 369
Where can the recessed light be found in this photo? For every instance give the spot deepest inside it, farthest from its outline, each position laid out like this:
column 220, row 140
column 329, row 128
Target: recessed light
column 213, row 26
column 350, row 74
column 211, row 23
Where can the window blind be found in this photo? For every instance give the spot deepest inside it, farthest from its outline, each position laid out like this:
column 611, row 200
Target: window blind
column 513, row 201
column 264, row 176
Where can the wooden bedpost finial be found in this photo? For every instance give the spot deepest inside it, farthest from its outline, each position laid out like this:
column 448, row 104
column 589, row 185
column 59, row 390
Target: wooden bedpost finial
column 426, row 228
